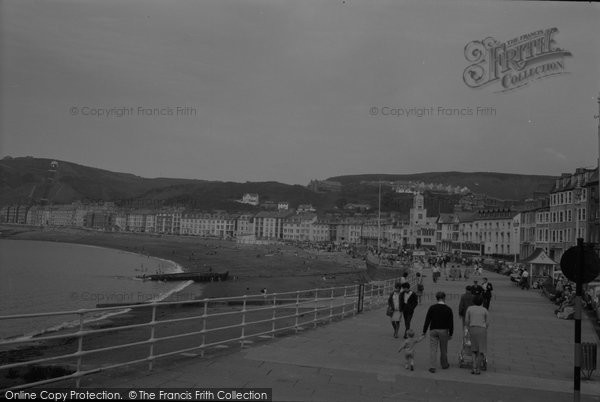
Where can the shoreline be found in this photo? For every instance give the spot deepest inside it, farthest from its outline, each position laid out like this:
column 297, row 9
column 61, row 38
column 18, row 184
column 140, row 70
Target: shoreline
column 254, row 266
column 67, row 324
column 277, row 268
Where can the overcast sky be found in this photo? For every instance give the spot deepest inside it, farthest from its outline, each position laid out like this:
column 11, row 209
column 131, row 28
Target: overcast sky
column 284, row 90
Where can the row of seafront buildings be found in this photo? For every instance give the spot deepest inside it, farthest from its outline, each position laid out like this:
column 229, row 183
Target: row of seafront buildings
column 465, row 232
column 552, row 223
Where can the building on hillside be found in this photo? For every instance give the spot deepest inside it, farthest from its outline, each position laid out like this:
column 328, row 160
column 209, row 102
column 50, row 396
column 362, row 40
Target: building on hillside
column 352, row 206
column 283, row 206
column 303, row 208
column 250, row 199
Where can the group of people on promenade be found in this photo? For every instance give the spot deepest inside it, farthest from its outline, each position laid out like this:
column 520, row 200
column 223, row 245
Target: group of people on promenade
column 439, row 321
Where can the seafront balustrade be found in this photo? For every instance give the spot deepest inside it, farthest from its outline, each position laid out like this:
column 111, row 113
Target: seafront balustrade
column 159, row 330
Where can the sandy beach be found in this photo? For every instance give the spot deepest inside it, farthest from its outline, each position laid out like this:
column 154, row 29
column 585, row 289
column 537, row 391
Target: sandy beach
column 278, row 268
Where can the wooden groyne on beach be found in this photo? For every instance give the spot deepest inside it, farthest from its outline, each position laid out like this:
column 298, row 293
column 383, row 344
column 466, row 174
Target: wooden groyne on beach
column 188, row 276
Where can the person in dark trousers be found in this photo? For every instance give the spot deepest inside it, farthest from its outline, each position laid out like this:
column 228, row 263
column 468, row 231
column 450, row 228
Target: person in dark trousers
column 466, row 300
column 440, row 322
column 408, row 302
column 487, row 293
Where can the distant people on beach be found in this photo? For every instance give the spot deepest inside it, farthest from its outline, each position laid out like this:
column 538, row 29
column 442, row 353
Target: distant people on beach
column 440, row 322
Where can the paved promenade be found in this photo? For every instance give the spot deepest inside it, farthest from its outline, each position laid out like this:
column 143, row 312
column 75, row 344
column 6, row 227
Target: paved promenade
column 530, row 358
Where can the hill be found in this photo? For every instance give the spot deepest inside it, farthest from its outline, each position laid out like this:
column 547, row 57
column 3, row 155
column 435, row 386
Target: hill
column 505, row 186
column 32, row 180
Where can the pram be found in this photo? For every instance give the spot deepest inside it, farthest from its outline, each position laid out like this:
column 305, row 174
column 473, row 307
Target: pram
column 465, row 355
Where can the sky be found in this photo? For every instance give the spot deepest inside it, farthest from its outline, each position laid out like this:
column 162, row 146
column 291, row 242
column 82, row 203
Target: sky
column 257, row 90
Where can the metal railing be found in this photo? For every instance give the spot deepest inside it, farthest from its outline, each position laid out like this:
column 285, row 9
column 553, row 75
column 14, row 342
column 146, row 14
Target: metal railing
column 212, row 323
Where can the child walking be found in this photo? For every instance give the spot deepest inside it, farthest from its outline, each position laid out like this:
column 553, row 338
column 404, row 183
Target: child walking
column 409, row 348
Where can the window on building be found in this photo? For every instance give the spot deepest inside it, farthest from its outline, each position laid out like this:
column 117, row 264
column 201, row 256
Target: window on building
column 569, row 216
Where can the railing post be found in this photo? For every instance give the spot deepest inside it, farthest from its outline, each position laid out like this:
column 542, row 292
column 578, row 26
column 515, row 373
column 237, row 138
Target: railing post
column 243, row 322
column 152, row 331
column 274, row 315
column 361, row 297
column 316, row 305
column 354, row 304
column 344, row 303
column 331, row 306
column 204, row 317
column 297, row 309
column 79, row 349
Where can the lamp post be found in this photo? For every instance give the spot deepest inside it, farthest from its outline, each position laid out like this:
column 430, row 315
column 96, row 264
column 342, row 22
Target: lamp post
column 598, row 217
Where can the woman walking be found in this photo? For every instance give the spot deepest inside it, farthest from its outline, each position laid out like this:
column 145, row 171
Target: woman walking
column 420, row 286
column 394, row 308
column 478, row 321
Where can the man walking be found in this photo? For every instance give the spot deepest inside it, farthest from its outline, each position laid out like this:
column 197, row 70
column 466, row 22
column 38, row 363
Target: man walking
column 440, row 321
column 408, row 302
column 466, row 301
column 487, row 293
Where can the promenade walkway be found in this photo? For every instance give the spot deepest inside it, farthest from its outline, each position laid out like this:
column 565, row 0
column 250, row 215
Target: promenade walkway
column 530, row 358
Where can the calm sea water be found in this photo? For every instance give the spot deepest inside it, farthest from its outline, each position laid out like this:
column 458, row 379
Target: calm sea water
column 37, row 276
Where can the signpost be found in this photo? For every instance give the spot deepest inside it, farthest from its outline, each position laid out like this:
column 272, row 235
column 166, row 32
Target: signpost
column 579, row 264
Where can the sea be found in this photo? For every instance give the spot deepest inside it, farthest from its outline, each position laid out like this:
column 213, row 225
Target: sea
column 45, row 276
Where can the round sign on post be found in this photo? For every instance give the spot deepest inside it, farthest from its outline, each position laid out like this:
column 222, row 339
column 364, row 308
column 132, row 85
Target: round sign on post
column 570, row 260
